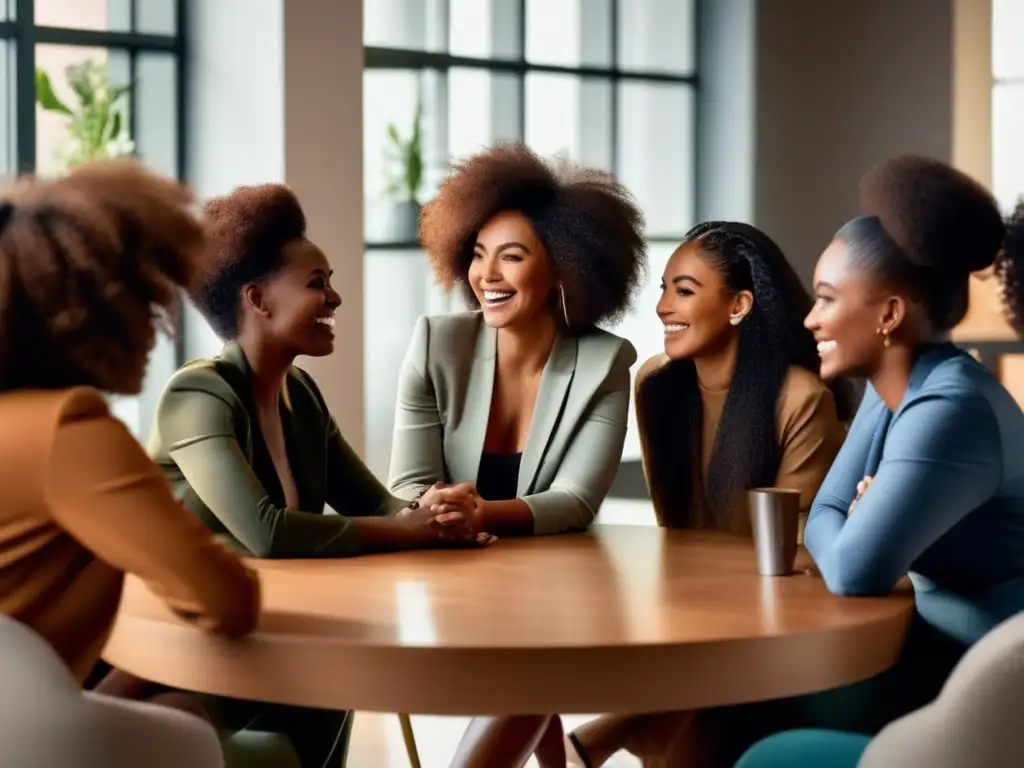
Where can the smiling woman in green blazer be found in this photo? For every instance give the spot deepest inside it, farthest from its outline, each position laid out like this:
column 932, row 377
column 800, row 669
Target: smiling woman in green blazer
column 526, row 398
column 247, row 442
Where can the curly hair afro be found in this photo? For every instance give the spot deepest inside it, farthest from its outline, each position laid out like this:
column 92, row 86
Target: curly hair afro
column 588, row 223
column 937, row 226
column 247, row 231
column 85, row 262
column 1010, row 268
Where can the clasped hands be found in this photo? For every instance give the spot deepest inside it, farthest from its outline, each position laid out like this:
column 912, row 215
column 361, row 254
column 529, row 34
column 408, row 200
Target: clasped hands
column 454, row 511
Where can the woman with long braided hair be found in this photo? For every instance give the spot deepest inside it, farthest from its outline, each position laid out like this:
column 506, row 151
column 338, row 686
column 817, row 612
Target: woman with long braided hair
column 734, row 402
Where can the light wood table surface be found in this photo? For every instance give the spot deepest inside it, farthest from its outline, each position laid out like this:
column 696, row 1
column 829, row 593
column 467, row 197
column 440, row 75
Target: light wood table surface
column 621, row 619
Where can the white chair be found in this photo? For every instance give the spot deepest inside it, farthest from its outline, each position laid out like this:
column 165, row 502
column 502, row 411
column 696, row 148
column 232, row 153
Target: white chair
column 47, row 721
column 975, row 721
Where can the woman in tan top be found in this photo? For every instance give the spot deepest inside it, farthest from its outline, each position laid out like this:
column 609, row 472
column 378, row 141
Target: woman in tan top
column 86, row 263
column 735, row 402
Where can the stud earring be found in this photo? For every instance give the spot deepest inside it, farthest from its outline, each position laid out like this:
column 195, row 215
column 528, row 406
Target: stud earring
column 736, row 319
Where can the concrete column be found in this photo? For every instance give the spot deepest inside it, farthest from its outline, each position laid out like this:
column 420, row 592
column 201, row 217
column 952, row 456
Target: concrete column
column 323, row 163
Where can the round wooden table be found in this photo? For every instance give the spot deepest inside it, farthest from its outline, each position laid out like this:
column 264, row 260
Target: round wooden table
column 622, row 619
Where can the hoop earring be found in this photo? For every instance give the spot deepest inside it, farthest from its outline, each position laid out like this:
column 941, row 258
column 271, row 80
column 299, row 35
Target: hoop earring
column 565, row 307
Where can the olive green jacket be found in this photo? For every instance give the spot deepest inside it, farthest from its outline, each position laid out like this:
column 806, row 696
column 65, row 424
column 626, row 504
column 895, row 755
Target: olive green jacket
column 207, row 440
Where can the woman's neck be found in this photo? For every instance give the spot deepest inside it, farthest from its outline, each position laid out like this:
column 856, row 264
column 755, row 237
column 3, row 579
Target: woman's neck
column 892, row 379
column 269, row 367
column 715, row 369
column 526, row 349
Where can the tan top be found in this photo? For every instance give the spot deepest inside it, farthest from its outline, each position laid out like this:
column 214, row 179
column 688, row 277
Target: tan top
column 809, row 431
column 82, row 504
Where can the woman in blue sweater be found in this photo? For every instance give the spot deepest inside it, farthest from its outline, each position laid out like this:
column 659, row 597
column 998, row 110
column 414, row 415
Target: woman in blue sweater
column 930, row 481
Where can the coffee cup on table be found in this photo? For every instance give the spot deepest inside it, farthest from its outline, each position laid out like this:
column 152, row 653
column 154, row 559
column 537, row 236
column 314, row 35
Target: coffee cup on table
column 774, row 522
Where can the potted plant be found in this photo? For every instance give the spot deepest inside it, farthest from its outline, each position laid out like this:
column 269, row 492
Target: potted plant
column 404, row 168
column 97, row 125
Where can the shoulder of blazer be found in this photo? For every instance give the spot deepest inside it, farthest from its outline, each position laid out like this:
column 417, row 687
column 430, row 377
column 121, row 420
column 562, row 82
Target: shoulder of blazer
column 207, row 376
column 604, row 344
column 456, row 329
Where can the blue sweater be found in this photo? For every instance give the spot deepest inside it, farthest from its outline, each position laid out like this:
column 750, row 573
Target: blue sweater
column 946, row 504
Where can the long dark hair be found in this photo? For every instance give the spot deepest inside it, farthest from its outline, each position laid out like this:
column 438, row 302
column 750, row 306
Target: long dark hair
column 772, row 338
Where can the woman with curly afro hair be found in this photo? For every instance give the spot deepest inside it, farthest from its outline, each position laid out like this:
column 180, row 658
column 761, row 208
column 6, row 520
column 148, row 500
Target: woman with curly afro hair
column 248, row 444
column 930, row 481
column 525, row 399
column 88, row 264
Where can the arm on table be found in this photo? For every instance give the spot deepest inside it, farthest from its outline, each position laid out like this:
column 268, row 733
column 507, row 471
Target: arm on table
column 199, row 430
column 591, row 462
column 106, row 492
column 417, row 446
column 941, row 461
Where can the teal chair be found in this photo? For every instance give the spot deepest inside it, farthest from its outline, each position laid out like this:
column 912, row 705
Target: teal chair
column 975, row 721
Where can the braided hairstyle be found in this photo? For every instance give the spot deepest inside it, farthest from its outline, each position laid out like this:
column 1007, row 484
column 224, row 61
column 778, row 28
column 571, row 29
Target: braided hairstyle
column 86, row 263
column 772, row 338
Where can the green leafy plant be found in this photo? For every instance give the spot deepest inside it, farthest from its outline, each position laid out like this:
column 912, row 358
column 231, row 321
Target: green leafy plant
column 97, row 126
column 404, row 158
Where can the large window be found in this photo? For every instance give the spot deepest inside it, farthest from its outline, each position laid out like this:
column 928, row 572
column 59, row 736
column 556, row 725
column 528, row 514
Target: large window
column 1007, row 101
column 88, row 51
column 610, row 83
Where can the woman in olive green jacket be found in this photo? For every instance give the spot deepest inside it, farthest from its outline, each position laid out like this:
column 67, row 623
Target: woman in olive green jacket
column 247, row 442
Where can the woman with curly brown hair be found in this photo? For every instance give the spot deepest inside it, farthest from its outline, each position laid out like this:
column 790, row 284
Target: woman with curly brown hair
column 248, row 444
column 86, row 263
column 526, row 398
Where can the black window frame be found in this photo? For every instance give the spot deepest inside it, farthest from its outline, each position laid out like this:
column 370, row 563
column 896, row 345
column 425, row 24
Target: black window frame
column 26, row 35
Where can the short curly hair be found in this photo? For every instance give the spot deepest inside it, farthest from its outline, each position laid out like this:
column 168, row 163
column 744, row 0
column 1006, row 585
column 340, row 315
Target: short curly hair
column 587, row 222
column 928, row 227
column 85, row 262
column 247, row 230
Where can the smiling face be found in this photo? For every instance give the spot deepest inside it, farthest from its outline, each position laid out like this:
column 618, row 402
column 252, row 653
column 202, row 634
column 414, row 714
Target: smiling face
column 511, row 274
column 297, row 303
column 696, row 305
column 849, row 308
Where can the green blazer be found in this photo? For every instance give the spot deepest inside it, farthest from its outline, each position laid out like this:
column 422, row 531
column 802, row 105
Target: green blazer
column 207, row 440
column 575, row 441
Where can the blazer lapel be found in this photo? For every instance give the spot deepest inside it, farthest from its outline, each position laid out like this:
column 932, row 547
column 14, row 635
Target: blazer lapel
column 477, row 412
column 554, row 387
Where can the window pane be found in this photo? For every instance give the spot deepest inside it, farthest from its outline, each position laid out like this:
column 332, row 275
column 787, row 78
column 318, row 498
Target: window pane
column 656, row 160
column 390, row 97
column 8, row 136
column 6, row 13
column 156, row 111
column 484, row 28
column 156, row 17
column 419, row 25
column 62, row 141
column 483, row 107
column 1007, row 149
column 643, row 328
column 655, row 35
column 565, row 113
column 569, row 33
column 109, row 15
column 1007, row 27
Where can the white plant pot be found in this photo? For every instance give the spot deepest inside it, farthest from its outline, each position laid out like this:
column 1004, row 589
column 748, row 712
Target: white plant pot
column 398, row 223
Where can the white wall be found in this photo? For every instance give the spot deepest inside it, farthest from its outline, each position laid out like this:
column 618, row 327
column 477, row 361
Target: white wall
column 235, row 81
column 276, row 94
